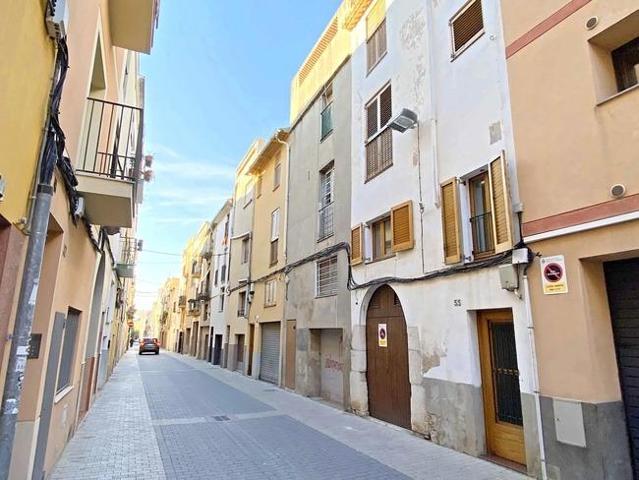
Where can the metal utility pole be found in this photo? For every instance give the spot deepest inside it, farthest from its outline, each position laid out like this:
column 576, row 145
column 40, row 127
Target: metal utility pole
column 22, row 329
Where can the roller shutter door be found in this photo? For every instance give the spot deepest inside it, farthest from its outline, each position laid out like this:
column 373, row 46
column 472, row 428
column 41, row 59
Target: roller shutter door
column 622, row 282
column 270, row 362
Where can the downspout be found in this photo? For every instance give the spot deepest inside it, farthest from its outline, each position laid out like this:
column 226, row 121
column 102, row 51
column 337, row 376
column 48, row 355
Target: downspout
column 286, row 200
column 433, row 106
column 535, row 376
column 285, row 219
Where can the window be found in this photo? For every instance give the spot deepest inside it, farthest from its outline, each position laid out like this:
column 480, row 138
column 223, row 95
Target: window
column 221, row 303
column 379, row 137
column 65, row 371
column 274, row 247
column 481, row 215
column 326, row 281
column 327, row 112
column 269, row 293
column 376, row 34
column 326, row 203
column 245, row 250
column 625, row 60
column 241, row 304
column 275, row 224
column 223, row 274
column 258, row 186
column 277, row 173
column 466, row 26
column 215, row 278
column 275, row 233
column 248, row 193
column 382, row 238
column 489, row 219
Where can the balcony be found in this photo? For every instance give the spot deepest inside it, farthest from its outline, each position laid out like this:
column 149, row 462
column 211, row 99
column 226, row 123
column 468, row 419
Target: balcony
column 133, row 23
column 194, row 307
column 109, row 166
column 182, row 301
column 125, row 266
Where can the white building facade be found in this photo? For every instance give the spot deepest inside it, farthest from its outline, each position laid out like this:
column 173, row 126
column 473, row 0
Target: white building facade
column 220, row 240
column 438, row 346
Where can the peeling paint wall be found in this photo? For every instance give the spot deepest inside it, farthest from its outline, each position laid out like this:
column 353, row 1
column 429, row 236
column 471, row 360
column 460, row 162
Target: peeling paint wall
column 456, row 102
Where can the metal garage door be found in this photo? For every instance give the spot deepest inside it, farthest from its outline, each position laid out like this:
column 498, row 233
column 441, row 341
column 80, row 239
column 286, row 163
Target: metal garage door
column 270, row 363
column 622, row 282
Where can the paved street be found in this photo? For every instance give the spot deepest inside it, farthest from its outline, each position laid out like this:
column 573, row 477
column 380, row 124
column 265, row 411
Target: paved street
column 171, row 417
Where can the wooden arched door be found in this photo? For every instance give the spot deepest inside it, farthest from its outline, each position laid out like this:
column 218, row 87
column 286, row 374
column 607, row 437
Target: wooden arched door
column 387, row 359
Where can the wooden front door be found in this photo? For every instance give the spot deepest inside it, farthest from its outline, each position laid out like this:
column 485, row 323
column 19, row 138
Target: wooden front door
column 387, row 359
column 500, row 385
column 291, row 346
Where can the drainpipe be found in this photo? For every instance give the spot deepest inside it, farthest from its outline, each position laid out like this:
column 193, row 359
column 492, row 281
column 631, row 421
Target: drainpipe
column 286, row 200
column 535, row 376
column 23, row 324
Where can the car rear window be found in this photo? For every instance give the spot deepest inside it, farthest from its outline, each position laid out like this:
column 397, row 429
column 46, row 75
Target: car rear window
column 148, row 340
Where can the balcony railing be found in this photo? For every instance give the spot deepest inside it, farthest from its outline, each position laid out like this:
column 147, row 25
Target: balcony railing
column 125, row 266
column 482, row 230
column 325, row 221
column 113, row 140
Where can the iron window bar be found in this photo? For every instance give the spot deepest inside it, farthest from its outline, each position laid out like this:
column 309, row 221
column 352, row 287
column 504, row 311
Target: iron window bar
column 326, row 223
column 482, row 230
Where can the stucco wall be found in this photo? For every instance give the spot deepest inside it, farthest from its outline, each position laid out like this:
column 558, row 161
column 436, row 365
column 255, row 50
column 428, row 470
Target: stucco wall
column 309, row 156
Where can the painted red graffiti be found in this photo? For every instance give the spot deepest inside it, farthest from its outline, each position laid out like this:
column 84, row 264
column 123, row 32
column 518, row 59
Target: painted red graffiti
column 333, row 364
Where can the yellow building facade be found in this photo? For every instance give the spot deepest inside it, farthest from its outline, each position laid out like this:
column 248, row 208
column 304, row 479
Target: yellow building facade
column 268, row 258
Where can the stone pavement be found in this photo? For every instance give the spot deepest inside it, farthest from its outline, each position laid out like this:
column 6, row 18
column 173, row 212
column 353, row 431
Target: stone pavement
column 116, row 440
column 197, row 421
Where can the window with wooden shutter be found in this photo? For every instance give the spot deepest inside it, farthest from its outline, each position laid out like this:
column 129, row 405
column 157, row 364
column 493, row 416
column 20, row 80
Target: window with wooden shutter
column 402, row 227
column 450, row 222
column 466, row 26
column 376, row 34
column 356, row 245
column 379, row 142
column 500, row 205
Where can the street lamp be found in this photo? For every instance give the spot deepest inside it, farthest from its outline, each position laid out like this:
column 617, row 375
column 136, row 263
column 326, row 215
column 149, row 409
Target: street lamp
column 406, row 120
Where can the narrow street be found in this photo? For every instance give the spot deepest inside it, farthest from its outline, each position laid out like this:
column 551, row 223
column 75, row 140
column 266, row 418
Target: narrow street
column 173, row 417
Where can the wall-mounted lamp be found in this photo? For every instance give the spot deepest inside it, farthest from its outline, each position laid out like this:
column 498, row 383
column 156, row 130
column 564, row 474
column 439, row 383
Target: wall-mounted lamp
column 406, row 120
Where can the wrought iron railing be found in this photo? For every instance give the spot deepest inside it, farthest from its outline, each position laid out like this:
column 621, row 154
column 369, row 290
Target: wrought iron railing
column 112, row 140
column 128, row 251
column 326, row 225
column 482, row 230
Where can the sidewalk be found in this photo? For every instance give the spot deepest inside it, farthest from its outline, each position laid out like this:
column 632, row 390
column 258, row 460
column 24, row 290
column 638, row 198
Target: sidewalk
column 116, row 440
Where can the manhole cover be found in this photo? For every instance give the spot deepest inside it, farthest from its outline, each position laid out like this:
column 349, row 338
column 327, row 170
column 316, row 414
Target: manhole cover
column 221, row 418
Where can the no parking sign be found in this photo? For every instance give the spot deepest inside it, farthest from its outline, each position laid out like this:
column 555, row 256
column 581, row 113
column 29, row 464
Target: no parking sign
column 553, row 275
column 382, row 335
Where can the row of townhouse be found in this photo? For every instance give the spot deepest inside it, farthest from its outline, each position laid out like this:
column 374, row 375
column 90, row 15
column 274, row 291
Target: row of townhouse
column 446, row 236
column 71, row 178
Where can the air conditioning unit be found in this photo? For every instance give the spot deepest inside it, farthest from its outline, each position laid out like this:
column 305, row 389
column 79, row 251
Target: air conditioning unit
column 58, row 19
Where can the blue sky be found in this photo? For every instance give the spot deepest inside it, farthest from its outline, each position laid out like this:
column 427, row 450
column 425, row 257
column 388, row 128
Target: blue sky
column 218, row 77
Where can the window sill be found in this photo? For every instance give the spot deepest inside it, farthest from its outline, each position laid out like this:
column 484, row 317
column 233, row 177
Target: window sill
column 325, row 237
column 276, row 187
column 270, row 305
column 618, row 94
column 455, row 55
column 381, row 259
column 326, row 295
column 372, row 67
column 328, row 134
column 377, row 174
column 62, row 393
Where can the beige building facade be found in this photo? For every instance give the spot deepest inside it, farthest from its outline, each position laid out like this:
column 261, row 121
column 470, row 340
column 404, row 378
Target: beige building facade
column 572, row 68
